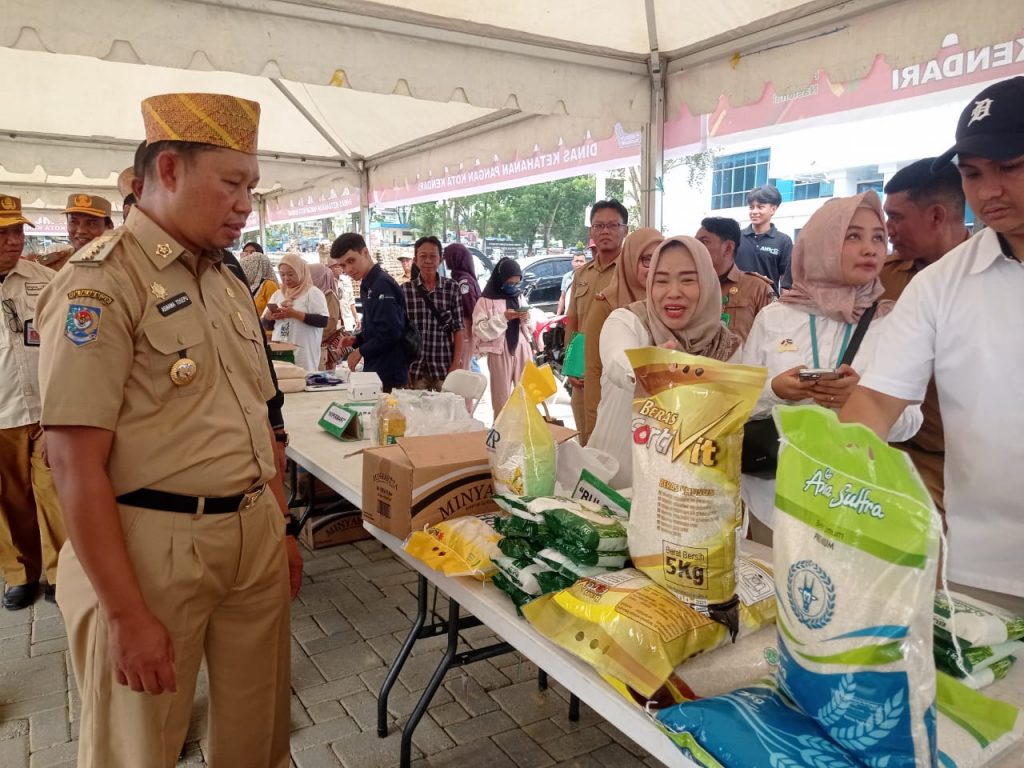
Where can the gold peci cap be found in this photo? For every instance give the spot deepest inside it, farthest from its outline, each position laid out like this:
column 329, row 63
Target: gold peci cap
column 203, row 118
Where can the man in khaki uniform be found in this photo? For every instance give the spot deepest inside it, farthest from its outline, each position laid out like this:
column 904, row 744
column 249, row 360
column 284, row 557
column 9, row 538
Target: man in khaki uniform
column 88, row 218
column 154, row 392
column 744, row 294
column 608, row 226
column 924, row 214
column 29, row 512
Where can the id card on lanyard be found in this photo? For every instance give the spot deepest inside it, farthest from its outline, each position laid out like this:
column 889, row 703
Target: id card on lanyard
column 847, row 333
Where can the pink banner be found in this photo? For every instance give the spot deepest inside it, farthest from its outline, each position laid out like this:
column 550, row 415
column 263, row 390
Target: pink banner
column 620, row 149
column 952, row 68
column 308, row 205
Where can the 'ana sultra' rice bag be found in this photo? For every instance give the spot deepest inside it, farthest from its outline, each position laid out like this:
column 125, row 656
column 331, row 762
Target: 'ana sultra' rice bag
column 856, row 551
column 687, row 430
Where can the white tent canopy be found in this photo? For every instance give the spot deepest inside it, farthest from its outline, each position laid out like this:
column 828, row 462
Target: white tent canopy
column 364, row 93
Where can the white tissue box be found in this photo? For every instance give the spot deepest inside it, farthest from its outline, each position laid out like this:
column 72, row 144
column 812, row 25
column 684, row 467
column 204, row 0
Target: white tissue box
column 363, row 386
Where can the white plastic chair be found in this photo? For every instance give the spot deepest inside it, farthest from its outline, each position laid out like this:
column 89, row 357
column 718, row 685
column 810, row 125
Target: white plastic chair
column 468, row 384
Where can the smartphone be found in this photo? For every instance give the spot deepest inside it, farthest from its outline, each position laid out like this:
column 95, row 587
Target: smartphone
column 819, row 374
column 273, row 307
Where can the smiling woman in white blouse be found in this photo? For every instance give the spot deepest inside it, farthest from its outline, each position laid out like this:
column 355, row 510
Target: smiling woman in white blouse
column 836, row 263
column 682, row 310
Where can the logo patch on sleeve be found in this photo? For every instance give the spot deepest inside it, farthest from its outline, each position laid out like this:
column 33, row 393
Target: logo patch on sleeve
column 83, row 324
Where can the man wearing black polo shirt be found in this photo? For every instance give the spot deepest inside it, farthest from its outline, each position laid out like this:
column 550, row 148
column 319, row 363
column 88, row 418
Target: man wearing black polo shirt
column 763, row 249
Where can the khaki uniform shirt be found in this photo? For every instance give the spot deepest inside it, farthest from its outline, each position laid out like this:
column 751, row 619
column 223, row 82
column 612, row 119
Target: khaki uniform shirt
column 927, row 448
column 588, row 281
column 54, row 260
column 126, row 308
column 19, row 349
column 744, row 294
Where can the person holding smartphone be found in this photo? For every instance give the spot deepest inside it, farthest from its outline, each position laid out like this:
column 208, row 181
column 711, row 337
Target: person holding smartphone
column 502, row 328
column 836, row 265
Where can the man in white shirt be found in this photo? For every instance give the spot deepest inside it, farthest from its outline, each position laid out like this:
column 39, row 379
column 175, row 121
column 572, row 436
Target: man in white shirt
column 959, row 320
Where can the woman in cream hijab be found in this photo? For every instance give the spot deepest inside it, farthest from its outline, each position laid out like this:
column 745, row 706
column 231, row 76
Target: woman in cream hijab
column 298, row 312
column 681, row 310
column 836, row 263
column 628, row 284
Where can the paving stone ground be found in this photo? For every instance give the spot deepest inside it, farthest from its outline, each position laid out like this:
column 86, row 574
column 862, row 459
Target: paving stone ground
column 353, row 612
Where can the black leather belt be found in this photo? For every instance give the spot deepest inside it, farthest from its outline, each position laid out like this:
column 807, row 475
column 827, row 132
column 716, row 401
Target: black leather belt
column 175, row 502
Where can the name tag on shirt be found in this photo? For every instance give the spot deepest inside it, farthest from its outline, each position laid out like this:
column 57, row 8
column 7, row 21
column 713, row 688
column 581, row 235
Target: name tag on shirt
column 34, row 289
column 31, row 337
column 173, row 304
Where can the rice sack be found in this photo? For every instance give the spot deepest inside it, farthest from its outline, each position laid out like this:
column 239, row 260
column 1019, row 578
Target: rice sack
column 630, row 628
column 520, row 446
column 856, row 549
column 973, row 728
column 755, row 726
column 687, row 430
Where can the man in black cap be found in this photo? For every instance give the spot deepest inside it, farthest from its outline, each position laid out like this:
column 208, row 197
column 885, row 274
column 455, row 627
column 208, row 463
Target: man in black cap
column 959, row 321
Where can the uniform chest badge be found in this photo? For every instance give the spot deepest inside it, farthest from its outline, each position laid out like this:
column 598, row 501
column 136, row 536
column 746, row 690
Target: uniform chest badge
column 787, row 345
column 164, row 250
column 183, row 371
column 158, row 290
column 231, row 294
column 82, row 325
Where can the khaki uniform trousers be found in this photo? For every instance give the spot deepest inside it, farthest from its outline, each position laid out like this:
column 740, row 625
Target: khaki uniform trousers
column 219, row 584
column 31, row 524
column 579, row 413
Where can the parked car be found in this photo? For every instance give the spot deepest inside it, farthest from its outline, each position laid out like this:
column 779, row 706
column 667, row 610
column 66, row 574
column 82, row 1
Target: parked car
column 483, row 263
column 542, row 280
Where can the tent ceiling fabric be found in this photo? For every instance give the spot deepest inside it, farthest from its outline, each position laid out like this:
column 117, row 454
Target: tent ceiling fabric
column 905, row 32
column 410, row 86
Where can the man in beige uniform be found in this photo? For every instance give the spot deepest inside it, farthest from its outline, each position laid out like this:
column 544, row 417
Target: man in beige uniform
column 154, row 392
column 924, row 214
column 744, row 294
column 608, row 225
column 88, row 218
column 29, row 512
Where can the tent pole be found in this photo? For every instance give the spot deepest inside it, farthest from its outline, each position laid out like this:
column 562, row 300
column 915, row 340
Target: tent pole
column 652, row 148
column 364, row 200
column 261, row 202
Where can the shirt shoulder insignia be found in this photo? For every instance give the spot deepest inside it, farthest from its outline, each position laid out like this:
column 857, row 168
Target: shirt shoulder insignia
column 766, row 280
column 98, row 250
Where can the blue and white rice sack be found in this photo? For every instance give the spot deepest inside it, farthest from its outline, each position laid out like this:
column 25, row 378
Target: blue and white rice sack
column 856, row 551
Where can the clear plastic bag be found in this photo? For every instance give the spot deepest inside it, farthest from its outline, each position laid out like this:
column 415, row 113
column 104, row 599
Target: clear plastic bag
column 520, row 446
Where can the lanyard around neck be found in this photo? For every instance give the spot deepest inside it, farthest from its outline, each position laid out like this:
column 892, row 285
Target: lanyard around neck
column 814, row 343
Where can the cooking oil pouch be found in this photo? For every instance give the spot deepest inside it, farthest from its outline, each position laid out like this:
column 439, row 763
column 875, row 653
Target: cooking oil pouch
column 516, row 526
column 461, row 547
column 518, row 548
column 687, row 433
column 626, row 626
column 515, row 594
column 856, row 552
column 555, row 560
column 977, row 622
column 520, row 446
column 531, row 577
column 586, row 526
column 583, row 556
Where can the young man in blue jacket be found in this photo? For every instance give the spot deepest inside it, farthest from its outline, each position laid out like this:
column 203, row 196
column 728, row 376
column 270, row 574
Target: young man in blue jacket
column 378, row 345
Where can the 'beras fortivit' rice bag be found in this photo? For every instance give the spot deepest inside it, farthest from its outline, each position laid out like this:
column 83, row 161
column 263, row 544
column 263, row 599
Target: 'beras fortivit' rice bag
column 687, row 431
column 856, row 550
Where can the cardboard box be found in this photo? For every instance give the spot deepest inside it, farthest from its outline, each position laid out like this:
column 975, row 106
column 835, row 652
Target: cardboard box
column 423, row 480
column 331, row 530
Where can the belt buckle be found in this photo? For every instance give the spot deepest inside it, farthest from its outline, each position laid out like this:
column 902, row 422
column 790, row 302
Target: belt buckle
column 249, row 498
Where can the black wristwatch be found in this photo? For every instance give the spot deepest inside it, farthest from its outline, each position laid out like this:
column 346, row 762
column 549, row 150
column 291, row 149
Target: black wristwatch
column 292, row 528
column 281, row 436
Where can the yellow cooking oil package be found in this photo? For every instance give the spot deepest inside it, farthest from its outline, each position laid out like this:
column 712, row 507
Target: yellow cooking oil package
column 628, row 627
column 465, row 546
column 687, row 433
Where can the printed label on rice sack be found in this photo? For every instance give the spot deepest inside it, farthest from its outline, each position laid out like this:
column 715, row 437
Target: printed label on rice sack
column 867, row 713
column 656, row 610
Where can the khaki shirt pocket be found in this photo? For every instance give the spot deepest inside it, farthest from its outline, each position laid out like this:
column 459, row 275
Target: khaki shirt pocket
column 251, row 343
column 174, row 339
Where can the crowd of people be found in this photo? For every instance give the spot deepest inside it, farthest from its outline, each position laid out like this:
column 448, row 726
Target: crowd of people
column 136, row 383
